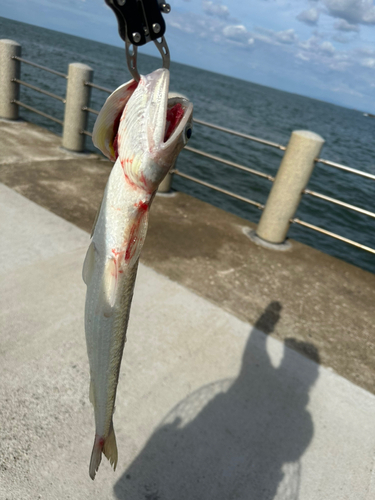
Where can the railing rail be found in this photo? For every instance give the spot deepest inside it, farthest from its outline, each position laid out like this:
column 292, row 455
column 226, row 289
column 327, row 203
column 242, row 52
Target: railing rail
column 86, row 132
column 38, row 89
column 240, row 134
column 90, row 110
column 98, row 87
column 339, row 202
column 230, row 163
column 216, row 188
column 332, row 235
column 34, row 110
column 44, row 68
column 345, row 168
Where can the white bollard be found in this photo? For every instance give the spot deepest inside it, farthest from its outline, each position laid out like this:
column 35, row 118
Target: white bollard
column 291, row 179
column 166, row 183
column 77, row 98
column 9, row 69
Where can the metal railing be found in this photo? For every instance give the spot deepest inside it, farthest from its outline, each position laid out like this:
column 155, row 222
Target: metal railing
column 38, row 89
column 340, row 203
column 229, row 163
column 249, row 170
column 240, row 134
column 333, row 235
column 346, row 169
column 260, row 206
column 44, row 68
column 90, row 110
column 38, row 112
column 216, row 188
column 98, row 87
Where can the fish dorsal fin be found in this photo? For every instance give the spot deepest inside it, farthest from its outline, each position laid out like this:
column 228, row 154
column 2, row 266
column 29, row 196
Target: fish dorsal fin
column 107, row 122
column 88, row 265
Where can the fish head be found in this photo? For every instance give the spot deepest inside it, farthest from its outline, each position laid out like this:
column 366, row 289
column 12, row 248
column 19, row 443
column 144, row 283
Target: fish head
column 153, row 129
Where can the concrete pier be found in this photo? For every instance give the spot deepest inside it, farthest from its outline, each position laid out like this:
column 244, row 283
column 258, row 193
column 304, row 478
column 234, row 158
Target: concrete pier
column 77, row 98
column 249, row 374
column 10, row 70
column 292, row 178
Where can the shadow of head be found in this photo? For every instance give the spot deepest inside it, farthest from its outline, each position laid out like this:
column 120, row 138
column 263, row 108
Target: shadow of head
column 267, row 321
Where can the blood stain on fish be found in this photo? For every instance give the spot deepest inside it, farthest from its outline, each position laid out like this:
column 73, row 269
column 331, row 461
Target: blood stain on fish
column 174, row 115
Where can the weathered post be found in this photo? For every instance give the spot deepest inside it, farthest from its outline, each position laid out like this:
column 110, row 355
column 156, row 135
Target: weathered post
column 291, row 179
column 9, row 70
column 166, row 183
column 77, row 98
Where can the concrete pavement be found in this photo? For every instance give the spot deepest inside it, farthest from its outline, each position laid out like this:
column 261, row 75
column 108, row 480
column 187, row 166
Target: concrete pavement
column 208, row 406
column 326, row 302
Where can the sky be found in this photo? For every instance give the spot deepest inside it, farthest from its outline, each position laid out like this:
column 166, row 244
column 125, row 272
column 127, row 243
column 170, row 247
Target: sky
column 318, row 48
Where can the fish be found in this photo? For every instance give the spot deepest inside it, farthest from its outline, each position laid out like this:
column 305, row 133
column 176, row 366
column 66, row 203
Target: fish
column 142, row 128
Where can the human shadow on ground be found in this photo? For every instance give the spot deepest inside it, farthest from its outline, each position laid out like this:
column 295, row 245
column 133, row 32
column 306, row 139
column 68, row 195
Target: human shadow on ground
column 233, row 439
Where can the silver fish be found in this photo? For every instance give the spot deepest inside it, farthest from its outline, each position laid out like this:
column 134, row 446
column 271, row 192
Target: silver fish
column 143, row 131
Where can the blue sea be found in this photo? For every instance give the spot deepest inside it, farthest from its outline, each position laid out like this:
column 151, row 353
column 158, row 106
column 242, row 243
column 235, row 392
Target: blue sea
column 243, row 106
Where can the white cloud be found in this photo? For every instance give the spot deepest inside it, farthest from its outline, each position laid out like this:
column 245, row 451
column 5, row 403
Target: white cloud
column 238, row 33
column 352, row 11
column 215, row 9
column 366, row 51
column 302, row 56
column 368, row 63
column 344, row 88
column 310, row 16
column 185, row 27
column 339, row 37
column 343, row 25
column 287, row 36
column 327, row 47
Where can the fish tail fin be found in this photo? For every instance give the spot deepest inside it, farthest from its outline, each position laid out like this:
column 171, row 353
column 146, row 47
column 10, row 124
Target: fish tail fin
column 110, row 447
column 96, row 456
column 107, row 446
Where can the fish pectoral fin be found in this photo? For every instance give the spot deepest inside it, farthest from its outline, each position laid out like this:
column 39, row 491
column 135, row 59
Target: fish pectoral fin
column 110, row 285
column 88, row 265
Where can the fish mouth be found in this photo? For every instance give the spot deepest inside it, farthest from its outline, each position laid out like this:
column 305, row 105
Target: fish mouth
column 167, row 113
column 178, row 117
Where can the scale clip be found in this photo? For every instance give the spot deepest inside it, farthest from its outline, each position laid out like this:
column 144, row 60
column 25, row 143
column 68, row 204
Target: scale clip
column 140, row 22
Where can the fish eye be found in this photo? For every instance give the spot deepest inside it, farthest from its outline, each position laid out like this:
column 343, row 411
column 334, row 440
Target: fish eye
column 188, row 131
